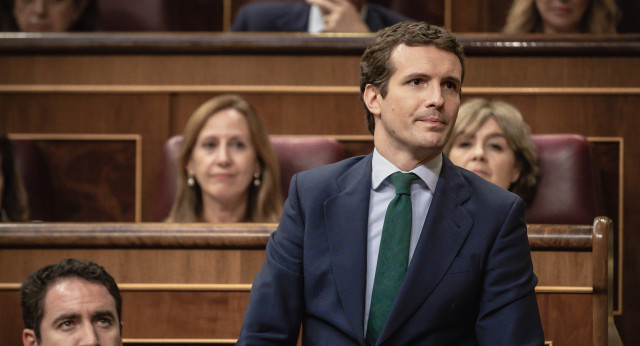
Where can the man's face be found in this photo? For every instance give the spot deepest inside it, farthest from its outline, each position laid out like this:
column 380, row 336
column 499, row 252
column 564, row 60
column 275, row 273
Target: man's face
column 414, row 120
column 77, row 312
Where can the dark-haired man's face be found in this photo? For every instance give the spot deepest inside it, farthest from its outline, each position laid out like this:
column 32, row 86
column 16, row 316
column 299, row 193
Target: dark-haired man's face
column 415, row 118
column 77, row 312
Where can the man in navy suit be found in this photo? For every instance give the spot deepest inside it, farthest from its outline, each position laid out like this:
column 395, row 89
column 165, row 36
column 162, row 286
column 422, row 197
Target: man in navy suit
column 469, row 279
column 315, row 16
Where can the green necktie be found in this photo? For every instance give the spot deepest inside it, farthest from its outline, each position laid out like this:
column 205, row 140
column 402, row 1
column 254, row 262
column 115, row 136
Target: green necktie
column 393, row 255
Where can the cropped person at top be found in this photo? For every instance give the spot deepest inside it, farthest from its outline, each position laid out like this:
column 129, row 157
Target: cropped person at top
column 315, row 16
column 50, row 15
column 491, row 139
column 562, row 17
column 229, row 172
column 399, row 247
column 71, row 303
column 13, row 197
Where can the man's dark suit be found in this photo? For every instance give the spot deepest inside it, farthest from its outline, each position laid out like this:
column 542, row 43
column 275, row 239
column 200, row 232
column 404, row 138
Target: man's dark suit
column 294, row 17
column 470, row 280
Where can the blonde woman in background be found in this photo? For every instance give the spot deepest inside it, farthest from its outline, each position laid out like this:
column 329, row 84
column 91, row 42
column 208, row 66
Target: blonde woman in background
column 229, row 170
column 562, row 16
column 491, row 139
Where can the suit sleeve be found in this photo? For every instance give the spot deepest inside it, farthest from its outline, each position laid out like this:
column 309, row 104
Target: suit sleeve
column 240, row 23
column 508, row 308
column 275, row 308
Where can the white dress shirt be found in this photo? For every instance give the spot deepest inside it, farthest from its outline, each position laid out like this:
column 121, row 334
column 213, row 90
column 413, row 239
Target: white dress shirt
column 382, row 192
column 316, row 23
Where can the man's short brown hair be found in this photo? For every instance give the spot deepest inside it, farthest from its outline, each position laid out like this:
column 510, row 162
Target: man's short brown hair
column 376, row 67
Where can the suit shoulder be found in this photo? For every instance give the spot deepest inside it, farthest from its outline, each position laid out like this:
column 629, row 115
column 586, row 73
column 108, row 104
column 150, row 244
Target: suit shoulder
column 332, row 170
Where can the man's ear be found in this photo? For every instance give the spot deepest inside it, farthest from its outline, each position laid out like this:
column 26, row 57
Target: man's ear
column 29, row 337
column 371, row 98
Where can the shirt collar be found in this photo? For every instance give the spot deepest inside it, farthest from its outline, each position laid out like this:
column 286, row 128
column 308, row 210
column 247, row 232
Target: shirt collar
column 382, row 168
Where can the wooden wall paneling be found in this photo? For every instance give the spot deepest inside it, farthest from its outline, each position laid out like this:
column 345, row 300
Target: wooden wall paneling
column 478, row 15
column 184, row 314
column 191, row 281
column 146, row 115
column 573, row 330
column 177, row 70
column 289, row 112
column 551, row 72
column 576, row 269
column 86, row 177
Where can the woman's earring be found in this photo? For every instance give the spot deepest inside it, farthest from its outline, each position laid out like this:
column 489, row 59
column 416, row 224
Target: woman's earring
column 191, row 181
column 256, row 179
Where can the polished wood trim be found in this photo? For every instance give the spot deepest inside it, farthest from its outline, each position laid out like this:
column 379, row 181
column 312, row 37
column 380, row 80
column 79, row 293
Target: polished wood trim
column 10, row 286
column 186, row 287
column 477, row 44
column 226, row 15
column 620, row 226
column 293, row 89
column 203, row 235
column 602, row 227
column 102, row 89
column 138, row 196
column 76, row 137
column 179, row 341
column 555, row 237
column 135, row 235
column 448, row 14
column 564, row 289
column 247, row 288
column 550, row 91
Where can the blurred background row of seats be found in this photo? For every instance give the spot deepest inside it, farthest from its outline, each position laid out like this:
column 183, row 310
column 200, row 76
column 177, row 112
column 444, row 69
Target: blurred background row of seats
column 217, row 15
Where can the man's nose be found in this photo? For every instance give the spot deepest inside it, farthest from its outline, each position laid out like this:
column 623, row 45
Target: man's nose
column 434, row 96
column 89, row 335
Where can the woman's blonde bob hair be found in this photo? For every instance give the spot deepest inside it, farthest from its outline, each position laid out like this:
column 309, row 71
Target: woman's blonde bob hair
column 600, row 17
column 265, row 201
column 473, row 114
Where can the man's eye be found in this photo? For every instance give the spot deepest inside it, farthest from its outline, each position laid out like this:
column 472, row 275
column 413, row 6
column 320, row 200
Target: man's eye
column 65, row 325
column 104, row 322
column 451, row 86
column 415, row 82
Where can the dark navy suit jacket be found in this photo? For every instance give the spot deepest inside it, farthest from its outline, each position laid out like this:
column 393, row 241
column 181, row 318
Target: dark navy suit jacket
column 470, row 280
column 294, row 17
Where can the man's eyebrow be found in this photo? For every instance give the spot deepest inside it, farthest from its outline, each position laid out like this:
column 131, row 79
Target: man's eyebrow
column 104, row 313
column 453, row 79
column 424, row 75
column 64, row 317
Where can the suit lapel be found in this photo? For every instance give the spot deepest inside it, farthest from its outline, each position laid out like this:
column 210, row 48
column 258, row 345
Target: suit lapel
column 346, row 222
column 445, row 229
column 296, row 19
